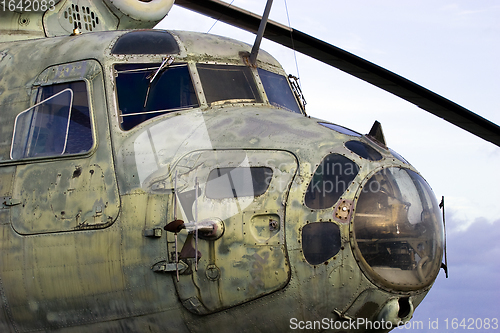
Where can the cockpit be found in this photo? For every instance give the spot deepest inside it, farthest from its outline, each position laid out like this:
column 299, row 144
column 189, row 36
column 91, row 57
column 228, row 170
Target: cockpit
column 148, row 90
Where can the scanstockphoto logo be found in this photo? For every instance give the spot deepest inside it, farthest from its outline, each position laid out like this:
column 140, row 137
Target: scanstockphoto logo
column 331, row 324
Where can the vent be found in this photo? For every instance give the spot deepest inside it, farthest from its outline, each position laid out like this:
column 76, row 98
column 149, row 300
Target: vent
column 81, row 17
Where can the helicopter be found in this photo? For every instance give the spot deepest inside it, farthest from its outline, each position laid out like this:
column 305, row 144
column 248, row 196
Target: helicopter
column 164, row 180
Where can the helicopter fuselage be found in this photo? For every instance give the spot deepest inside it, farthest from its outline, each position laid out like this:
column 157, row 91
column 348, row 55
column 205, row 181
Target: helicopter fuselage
column 107, row 137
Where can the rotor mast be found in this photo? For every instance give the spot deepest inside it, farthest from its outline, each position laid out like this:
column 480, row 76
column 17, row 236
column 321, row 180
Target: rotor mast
column 260, row 33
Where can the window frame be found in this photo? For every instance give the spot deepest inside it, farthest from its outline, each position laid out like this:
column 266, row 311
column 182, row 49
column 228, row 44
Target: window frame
column 37, row 91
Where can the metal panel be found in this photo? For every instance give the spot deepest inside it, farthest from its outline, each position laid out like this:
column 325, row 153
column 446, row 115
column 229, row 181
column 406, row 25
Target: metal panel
column 67, row 193
column 250, row 259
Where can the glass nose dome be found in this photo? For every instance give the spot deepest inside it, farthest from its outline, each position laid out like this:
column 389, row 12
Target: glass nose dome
column 398, row 231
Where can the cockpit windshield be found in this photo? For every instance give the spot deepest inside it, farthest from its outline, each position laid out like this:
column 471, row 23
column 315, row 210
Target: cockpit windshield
column 236, row 84
column 149, row 90
column 228, row 84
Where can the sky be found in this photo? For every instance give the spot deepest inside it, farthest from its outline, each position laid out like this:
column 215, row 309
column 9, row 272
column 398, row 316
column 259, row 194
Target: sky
column 449, row 47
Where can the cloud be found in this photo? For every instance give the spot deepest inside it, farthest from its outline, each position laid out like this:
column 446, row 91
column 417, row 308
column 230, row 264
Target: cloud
column 473, row 287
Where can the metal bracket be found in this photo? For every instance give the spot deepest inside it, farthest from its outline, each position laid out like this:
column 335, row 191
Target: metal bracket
column 168, row 267
column 342, row 315
column 153, row 233
column 294, row 83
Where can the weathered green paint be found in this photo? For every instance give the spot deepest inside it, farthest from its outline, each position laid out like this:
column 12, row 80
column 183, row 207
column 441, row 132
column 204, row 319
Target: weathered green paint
column 69, row 194
column 254, row 257
column 91, row 267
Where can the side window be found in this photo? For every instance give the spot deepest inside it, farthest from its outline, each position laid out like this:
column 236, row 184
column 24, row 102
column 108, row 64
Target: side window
column 238, row 182
column 278, row 91
column 58, row 124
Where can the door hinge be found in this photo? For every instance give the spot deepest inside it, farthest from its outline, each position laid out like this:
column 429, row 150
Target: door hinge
column 9, row 201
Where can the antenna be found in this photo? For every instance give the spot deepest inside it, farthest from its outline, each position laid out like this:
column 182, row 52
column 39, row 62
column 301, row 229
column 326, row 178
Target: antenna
column 260, row 33
column 175, row 234
column 445, row 264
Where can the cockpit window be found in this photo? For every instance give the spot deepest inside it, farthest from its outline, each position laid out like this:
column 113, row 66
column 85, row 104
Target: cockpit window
column 228, row 84
column 238, row 182
column 146, row 91
column 278, row 91
column 331, row 179
column 58, row 125
column 363, row 150
column 340, row 129
column 398, row 229
column 320, row 241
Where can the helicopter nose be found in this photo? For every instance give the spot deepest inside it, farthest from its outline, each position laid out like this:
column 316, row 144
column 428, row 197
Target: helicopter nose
column 397, row 230
column 372, row 235
column 395, row 227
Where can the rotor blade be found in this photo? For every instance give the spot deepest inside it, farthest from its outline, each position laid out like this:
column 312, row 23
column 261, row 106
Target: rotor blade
column 350, row 64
